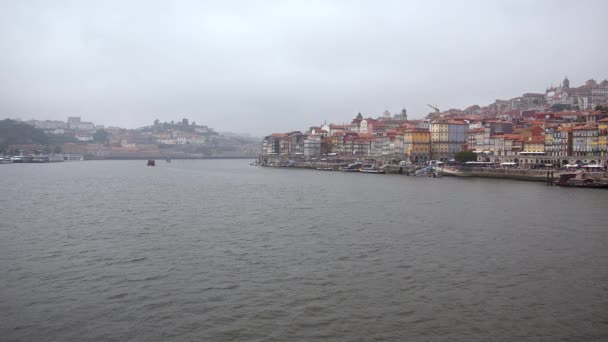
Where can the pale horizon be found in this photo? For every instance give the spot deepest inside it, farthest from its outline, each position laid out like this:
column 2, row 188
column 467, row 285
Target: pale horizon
column 280, row 66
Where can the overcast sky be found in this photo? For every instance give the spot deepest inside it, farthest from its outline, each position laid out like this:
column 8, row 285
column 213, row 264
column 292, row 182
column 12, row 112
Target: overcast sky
column 266, row 66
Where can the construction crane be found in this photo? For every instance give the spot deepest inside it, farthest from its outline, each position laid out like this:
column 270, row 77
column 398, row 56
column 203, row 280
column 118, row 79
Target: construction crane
column 436, row 112
column 434, row 108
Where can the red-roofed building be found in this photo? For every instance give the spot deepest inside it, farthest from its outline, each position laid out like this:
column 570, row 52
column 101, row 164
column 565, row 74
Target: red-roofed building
column 534, row 144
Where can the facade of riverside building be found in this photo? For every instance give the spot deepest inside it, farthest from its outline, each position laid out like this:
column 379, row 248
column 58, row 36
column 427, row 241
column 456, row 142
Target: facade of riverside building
column 528, row 138
column 312, row 146
column 448, row 137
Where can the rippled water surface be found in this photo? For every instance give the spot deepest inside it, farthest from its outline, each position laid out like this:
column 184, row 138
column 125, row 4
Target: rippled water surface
column 222, row 251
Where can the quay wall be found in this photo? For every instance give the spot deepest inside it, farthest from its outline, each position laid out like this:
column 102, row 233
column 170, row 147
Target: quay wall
column 528, row 175
column 394, row 169
column 481, row 172
column 519, row 174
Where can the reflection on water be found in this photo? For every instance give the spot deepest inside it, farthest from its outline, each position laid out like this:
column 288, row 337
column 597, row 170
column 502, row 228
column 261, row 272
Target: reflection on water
column 222, row 251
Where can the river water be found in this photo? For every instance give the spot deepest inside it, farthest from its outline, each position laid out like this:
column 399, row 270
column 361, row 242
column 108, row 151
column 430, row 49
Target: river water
column 218, row 250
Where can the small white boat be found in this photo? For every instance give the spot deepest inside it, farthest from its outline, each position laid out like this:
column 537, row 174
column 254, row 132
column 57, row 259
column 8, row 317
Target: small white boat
column 372, row 170
column 354, row 167
column 21, row 159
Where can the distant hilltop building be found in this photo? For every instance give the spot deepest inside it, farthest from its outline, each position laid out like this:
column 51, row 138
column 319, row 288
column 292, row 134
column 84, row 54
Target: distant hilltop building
column 586, row 96
column 402, row 115
column 57, row 127
column 75, row 123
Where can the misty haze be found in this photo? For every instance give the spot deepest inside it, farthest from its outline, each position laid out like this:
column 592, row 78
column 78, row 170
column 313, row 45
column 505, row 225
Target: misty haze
column 303, row 170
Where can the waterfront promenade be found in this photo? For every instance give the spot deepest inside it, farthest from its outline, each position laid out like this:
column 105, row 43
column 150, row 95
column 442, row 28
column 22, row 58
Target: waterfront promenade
column 456, row 170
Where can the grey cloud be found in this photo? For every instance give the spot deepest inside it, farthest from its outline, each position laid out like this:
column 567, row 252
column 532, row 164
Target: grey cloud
column 279, row 65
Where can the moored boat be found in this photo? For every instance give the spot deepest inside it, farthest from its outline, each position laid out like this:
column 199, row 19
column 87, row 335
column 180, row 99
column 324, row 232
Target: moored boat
column 73, row 157
column 372, row 170
column 580, row 180
column 55, row 158
column 40, row 159
column 21, row 159
column 354, row 167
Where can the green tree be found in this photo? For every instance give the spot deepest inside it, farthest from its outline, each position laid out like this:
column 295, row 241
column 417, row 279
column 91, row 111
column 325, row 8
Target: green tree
column 599, row 107
column 465, row 156
column 14, row 132
column 558, row 107
column 101, row 136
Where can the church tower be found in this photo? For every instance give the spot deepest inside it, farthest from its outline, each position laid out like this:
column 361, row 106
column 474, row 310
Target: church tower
column 566, row 83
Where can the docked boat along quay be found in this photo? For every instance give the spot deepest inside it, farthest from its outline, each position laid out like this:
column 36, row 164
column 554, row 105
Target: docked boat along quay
column 566, row 150
column 573, row 175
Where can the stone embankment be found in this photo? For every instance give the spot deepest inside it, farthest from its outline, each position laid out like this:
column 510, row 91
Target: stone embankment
column 518, row 174
column 482, row 172
column 389, row 168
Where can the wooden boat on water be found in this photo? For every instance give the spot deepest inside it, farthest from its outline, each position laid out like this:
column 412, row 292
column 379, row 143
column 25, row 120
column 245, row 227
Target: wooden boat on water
column 22, row 159
column 325, row 169
column 372, row 170
column 354, row 167
column 151, row 162
column 580, row 180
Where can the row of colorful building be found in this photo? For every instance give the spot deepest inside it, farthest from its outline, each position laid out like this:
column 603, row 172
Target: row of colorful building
column 548, row 137
column 534, row 129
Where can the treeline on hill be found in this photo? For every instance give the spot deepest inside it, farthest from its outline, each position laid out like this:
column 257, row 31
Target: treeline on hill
column 18, row 133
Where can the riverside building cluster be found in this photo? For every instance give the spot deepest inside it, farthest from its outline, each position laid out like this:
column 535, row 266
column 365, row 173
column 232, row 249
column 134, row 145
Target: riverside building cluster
column 562, row 126
column 175, row 139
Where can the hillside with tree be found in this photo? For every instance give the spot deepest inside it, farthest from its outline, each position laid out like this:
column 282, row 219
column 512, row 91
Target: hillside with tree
column 18, row 133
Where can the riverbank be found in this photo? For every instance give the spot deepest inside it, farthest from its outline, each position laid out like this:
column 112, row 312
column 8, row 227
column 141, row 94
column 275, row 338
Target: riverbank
column 479, row 172
column 394, row 169
column 516, row 174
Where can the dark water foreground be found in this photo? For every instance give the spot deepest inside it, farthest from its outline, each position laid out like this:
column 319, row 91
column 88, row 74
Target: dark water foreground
column 221, row 251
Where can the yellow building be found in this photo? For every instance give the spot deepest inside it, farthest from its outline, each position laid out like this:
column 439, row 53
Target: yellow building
column 549, row 140
column 447, row 138
column 439, row 139
column 603, row 139
column 534, row 144
column 417, row 144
